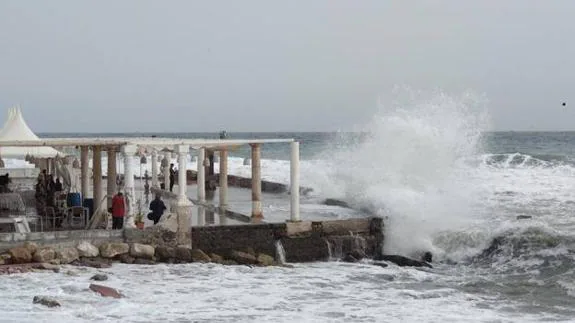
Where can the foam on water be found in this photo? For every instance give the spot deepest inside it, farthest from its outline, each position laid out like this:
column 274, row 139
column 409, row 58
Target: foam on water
column 322, row 292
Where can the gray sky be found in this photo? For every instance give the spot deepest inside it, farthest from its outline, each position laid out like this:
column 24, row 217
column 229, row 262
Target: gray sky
column 279, row 65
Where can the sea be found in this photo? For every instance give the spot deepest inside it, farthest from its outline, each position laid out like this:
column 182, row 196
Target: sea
column 495, row 209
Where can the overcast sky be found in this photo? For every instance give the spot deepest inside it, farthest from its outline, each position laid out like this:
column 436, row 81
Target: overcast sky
column 279, row 65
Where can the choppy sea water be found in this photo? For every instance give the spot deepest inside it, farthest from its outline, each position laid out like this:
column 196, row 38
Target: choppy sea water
column 442, row 182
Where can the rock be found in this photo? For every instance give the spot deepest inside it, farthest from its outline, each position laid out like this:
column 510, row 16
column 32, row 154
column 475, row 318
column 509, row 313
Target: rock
column 31, row 246
column 335, row 202
column 243, row 258
column 169, row 222
column 5, row 259
column 46, row 301
column 165, row 253
column 127, row 259
column 138, row 250
column 265, row 260
column 113, row 249
column 403, row 261
column 105, row 291
column 251, row 251
column 143, row 261
column 99, row 277
column 184, row 254
column 216, row 258
column 47, row 266
column 524, row 217
column 287, row 265
column 20, row 255
column 358, row 254
column 94, row 263
column 72, row 273
column 199, row 256
column 349, row 258
column 67, row 255
column 55, row 261
column 88, row 250
column 45, row 254
column 427, row 257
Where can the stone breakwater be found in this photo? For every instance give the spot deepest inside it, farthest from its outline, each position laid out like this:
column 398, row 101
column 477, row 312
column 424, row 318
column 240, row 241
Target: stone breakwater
column 30, row 256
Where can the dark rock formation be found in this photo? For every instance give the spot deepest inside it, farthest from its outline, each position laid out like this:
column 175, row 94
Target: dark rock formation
column 99, row 277
column 46, row 301
column 335, row 202
column 403, row 261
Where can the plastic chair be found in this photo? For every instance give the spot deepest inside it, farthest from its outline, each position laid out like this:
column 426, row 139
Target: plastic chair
column 78, row 214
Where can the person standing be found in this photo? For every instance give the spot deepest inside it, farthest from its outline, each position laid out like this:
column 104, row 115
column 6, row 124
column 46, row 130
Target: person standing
column 118, row 211
column 172, row 177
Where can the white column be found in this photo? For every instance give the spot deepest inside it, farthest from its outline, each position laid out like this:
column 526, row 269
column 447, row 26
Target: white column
column 294, row 182
column 201, row 175
column 84, row 171
column 129, row 151
column 256, row 182
column 167, row 158
column 155, row 169
column 97, row 175
column 201, row 181
column 111, row 177
column 182, row 151
column 223, row 180
column 184, row 206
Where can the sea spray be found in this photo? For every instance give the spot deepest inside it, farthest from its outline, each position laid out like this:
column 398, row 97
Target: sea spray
column 409, row 165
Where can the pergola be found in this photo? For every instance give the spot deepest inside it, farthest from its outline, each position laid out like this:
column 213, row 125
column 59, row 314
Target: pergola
column 132, row 147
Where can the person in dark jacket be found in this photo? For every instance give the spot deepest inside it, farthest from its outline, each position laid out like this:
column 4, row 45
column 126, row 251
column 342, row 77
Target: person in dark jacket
column 157, row 207
column 172, row 176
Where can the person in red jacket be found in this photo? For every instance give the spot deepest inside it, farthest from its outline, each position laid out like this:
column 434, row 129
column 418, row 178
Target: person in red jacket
column 118, row 211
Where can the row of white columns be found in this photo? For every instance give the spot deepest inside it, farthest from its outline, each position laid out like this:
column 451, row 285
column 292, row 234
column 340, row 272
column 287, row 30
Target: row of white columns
column 129, row 151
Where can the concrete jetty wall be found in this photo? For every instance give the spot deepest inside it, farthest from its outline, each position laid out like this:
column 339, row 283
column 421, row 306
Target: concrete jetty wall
column 60, row 239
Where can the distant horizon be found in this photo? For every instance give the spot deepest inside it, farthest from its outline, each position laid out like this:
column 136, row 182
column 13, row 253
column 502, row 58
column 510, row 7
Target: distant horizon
column 265, row 132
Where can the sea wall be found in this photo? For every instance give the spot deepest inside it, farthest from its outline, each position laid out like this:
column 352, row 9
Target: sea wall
column 304, row 241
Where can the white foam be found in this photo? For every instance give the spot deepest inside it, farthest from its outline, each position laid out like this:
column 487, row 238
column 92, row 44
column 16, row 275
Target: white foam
column 322, row 292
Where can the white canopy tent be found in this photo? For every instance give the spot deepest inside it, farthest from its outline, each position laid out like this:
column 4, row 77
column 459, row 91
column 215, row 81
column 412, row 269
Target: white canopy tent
column 16, row 129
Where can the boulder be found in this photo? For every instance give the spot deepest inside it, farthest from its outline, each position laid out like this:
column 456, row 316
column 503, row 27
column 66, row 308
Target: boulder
column 138, row 250
column 46, row 301
column 142, row 261
column 243, row 258
column 358, row 254
column 45, row 254
column 165, row 254
column 228, row 262
column 251, row 251
column 88, row 250
column 20, row 255
column 216, row 258
column 265, row 260
column 99, row 277
column 105, row 291
column 113, row 249
column 184, row 254
column 200, row 256
column 127, row 259
column 5, row 259
column 67, row 255
column 336, row 202
column 31, row 246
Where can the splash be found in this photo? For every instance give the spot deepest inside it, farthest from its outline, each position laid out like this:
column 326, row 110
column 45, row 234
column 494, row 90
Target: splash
column 409, row 165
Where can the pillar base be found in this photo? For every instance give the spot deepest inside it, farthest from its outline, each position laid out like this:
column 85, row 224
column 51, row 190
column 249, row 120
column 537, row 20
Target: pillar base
column 184, row 214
